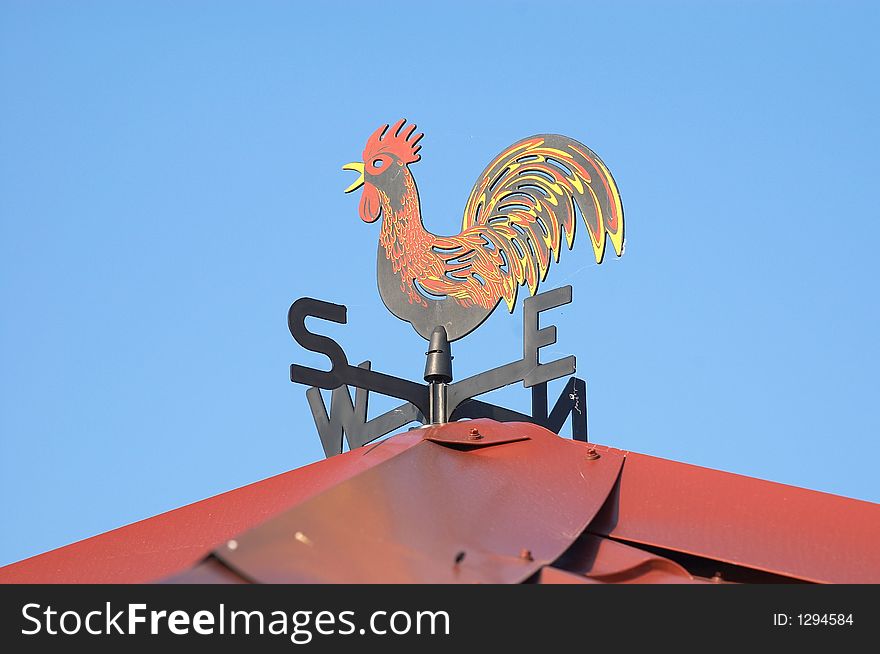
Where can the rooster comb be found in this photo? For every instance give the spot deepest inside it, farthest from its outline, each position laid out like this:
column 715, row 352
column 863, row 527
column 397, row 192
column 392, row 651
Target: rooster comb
column 396, row 140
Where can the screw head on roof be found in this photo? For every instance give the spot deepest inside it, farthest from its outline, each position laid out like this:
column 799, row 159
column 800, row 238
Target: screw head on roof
column 475, row 434
column 592, row 454
column 526, row 555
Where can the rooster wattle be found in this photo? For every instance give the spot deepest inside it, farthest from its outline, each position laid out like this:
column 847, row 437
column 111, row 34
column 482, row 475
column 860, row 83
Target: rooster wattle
column 523, row 206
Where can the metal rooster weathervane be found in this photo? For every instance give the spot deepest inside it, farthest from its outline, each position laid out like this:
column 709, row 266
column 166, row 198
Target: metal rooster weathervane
column 521, row 210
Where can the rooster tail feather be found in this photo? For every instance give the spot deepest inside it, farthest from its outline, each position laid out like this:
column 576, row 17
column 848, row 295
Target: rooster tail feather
column 528, row 198
column 603, row 209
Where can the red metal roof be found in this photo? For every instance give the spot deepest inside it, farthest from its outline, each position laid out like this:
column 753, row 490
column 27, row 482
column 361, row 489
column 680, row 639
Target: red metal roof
column 173, row 541
column 513, row 502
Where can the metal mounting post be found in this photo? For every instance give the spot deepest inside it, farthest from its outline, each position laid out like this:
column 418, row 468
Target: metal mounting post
column 438, row 373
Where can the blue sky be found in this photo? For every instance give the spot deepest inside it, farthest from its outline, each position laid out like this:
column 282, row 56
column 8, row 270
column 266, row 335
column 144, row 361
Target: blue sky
column 170, row 182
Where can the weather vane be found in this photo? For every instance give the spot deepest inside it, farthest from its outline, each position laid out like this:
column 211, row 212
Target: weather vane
column 517, row 216
column 521, row 210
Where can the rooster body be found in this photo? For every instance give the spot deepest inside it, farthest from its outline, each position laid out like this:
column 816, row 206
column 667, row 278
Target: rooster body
column 521, row 210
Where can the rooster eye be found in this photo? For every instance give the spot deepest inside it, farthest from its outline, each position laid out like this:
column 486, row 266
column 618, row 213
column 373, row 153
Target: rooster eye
column 378, row 163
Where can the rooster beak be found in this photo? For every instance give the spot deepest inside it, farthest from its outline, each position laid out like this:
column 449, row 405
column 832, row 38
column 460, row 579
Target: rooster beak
column 358, row 167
